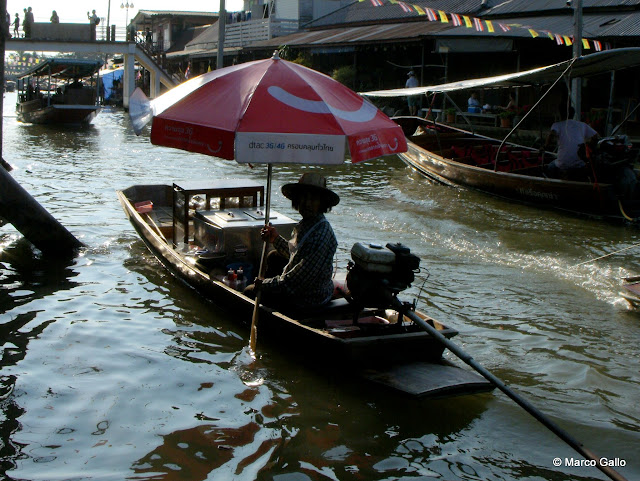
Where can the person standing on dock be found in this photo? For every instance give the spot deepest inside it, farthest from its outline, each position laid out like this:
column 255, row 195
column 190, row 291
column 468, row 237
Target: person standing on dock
column 94, row 20
column 27, row 23
column 412, row 100
column 54, row 17
column 299, row 271
column 16, row 26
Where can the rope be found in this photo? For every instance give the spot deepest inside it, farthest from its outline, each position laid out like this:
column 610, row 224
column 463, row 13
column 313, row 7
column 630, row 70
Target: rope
column 607, row 255
column 624, row 214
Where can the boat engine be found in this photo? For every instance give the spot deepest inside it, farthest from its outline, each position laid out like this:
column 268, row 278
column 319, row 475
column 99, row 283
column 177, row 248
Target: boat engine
column 614, row 158
column 377, row 274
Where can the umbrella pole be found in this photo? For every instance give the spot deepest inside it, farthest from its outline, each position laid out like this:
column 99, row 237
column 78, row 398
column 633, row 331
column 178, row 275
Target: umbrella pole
column 254, row 320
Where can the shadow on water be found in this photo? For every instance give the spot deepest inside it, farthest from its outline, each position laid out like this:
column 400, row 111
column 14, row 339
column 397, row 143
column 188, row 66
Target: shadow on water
column 25, row 276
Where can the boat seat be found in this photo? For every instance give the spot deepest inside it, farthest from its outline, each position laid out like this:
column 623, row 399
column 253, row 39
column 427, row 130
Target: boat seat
column 335, row 308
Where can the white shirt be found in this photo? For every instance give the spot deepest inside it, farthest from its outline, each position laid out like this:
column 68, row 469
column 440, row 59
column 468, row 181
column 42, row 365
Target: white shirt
column 571, row 133
column 412, row 82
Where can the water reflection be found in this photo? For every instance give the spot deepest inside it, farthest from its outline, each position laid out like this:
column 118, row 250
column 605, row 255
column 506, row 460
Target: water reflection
column 282, row 425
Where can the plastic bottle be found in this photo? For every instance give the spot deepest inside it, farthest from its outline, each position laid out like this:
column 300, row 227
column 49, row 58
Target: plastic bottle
column 233, row 280
column 228, row 277
column 241, row 282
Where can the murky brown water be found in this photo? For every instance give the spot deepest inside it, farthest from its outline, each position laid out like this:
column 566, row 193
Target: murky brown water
column 113, row 370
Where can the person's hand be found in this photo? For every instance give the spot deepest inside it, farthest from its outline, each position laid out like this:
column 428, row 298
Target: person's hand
column 269, row 233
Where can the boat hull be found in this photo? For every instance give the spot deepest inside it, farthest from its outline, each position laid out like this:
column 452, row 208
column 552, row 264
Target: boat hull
column 367, row 352
column 56, row 114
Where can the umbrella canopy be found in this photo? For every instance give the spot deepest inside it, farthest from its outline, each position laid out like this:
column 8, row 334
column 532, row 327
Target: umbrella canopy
column 269, row 111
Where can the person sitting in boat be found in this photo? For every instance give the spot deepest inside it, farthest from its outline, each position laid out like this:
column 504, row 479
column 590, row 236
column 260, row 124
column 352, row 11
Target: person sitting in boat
column 299, row 272
column 473, row 104
column 569, row 134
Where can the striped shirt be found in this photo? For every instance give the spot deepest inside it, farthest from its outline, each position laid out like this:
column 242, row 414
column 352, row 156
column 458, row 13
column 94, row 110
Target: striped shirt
column 307, row 278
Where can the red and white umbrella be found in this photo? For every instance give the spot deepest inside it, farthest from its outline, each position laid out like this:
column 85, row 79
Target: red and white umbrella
column 269, row 111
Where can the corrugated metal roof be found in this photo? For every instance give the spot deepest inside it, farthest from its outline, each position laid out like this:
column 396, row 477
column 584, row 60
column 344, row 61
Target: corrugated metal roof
column 594, row 27
column 208, row 36
column 366, row 34
column 363, row 12
column 624, row 24
column 528, row 6
column 176, row 13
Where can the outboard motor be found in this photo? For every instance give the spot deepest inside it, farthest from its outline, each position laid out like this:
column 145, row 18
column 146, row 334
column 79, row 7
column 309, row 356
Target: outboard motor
column 614, row 157
column 377, row 273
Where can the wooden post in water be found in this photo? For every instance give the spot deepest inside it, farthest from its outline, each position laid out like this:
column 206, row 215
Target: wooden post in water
column 16, row 205
column 33, row 221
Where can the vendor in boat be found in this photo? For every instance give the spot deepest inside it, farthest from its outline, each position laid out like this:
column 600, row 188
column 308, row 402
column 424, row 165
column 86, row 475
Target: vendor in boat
column 569, row 134
column 299, row 271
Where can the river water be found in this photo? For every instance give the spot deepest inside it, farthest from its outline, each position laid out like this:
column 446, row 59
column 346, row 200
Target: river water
column 113, row 370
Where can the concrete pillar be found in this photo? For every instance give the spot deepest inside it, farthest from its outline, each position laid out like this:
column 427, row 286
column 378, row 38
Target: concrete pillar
column 129, row 83
column 154, row 81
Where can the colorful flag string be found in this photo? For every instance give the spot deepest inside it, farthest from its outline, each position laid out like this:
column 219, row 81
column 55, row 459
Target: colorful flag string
column 481, row 25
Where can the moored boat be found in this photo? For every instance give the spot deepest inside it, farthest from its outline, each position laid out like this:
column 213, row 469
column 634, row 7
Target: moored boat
column 632, row 290
column 59, row 91
column 199, row 231
column 457, row 157
column 608, row 187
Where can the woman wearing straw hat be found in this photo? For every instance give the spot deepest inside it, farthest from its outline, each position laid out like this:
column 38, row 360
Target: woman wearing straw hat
column 299, row 271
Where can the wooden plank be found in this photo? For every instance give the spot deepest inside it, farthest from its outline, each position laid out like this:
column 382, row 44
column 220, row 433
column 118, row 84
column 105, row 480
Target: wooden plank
column 425, row 379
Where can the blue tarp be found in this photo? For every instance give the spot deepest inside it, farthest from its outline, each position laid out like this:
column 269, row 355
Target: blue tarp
column 107, row 81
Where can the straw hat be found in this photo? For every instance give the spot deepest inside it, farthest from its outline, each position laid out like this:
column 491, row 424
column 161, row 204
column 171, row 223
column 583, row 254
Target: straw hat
column 311, row 181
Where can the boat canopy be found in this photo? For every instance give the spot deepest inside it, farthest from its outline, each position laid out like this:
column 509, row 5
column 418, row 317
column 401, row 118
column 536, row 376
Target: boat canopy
column 64, row 68
column 585, row 66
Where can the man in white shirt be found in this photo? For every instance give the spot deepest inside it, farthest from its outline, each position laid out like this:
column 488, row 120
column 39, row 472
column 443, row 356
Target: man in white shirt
column 412, row 100
column 569, row 135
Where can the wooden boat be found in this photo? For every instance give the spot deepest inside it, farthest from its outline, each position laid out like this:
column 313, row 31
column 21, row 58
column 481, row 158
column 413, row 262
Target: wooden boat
column 185, row 226
column 609, row 188
column 59, row 91
column 452, row 156
column 632, row 290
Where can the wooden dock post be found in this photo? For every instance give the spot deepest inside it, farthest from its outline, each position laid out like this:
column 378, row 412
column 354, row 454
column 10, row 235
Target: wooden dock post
column 33, row 221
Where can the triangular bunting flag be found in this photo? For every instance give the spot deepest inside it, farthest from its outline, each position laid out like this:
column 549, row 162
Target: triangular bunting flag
column 489, row 26
column 533, row 33
column 478, row 24
column 419, row 9
column 457, row 21
column 467, row 21
column 431, row 14
column 406, row 8
column 567, row 41
column 443, row 16
column 597, row 45
column 585, row 44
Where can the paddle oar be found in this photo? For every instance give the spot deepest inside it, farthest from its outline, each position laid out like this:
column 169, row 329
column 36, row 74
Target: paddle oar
column 157, row 229
column 253, row 337
column 526, row 405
